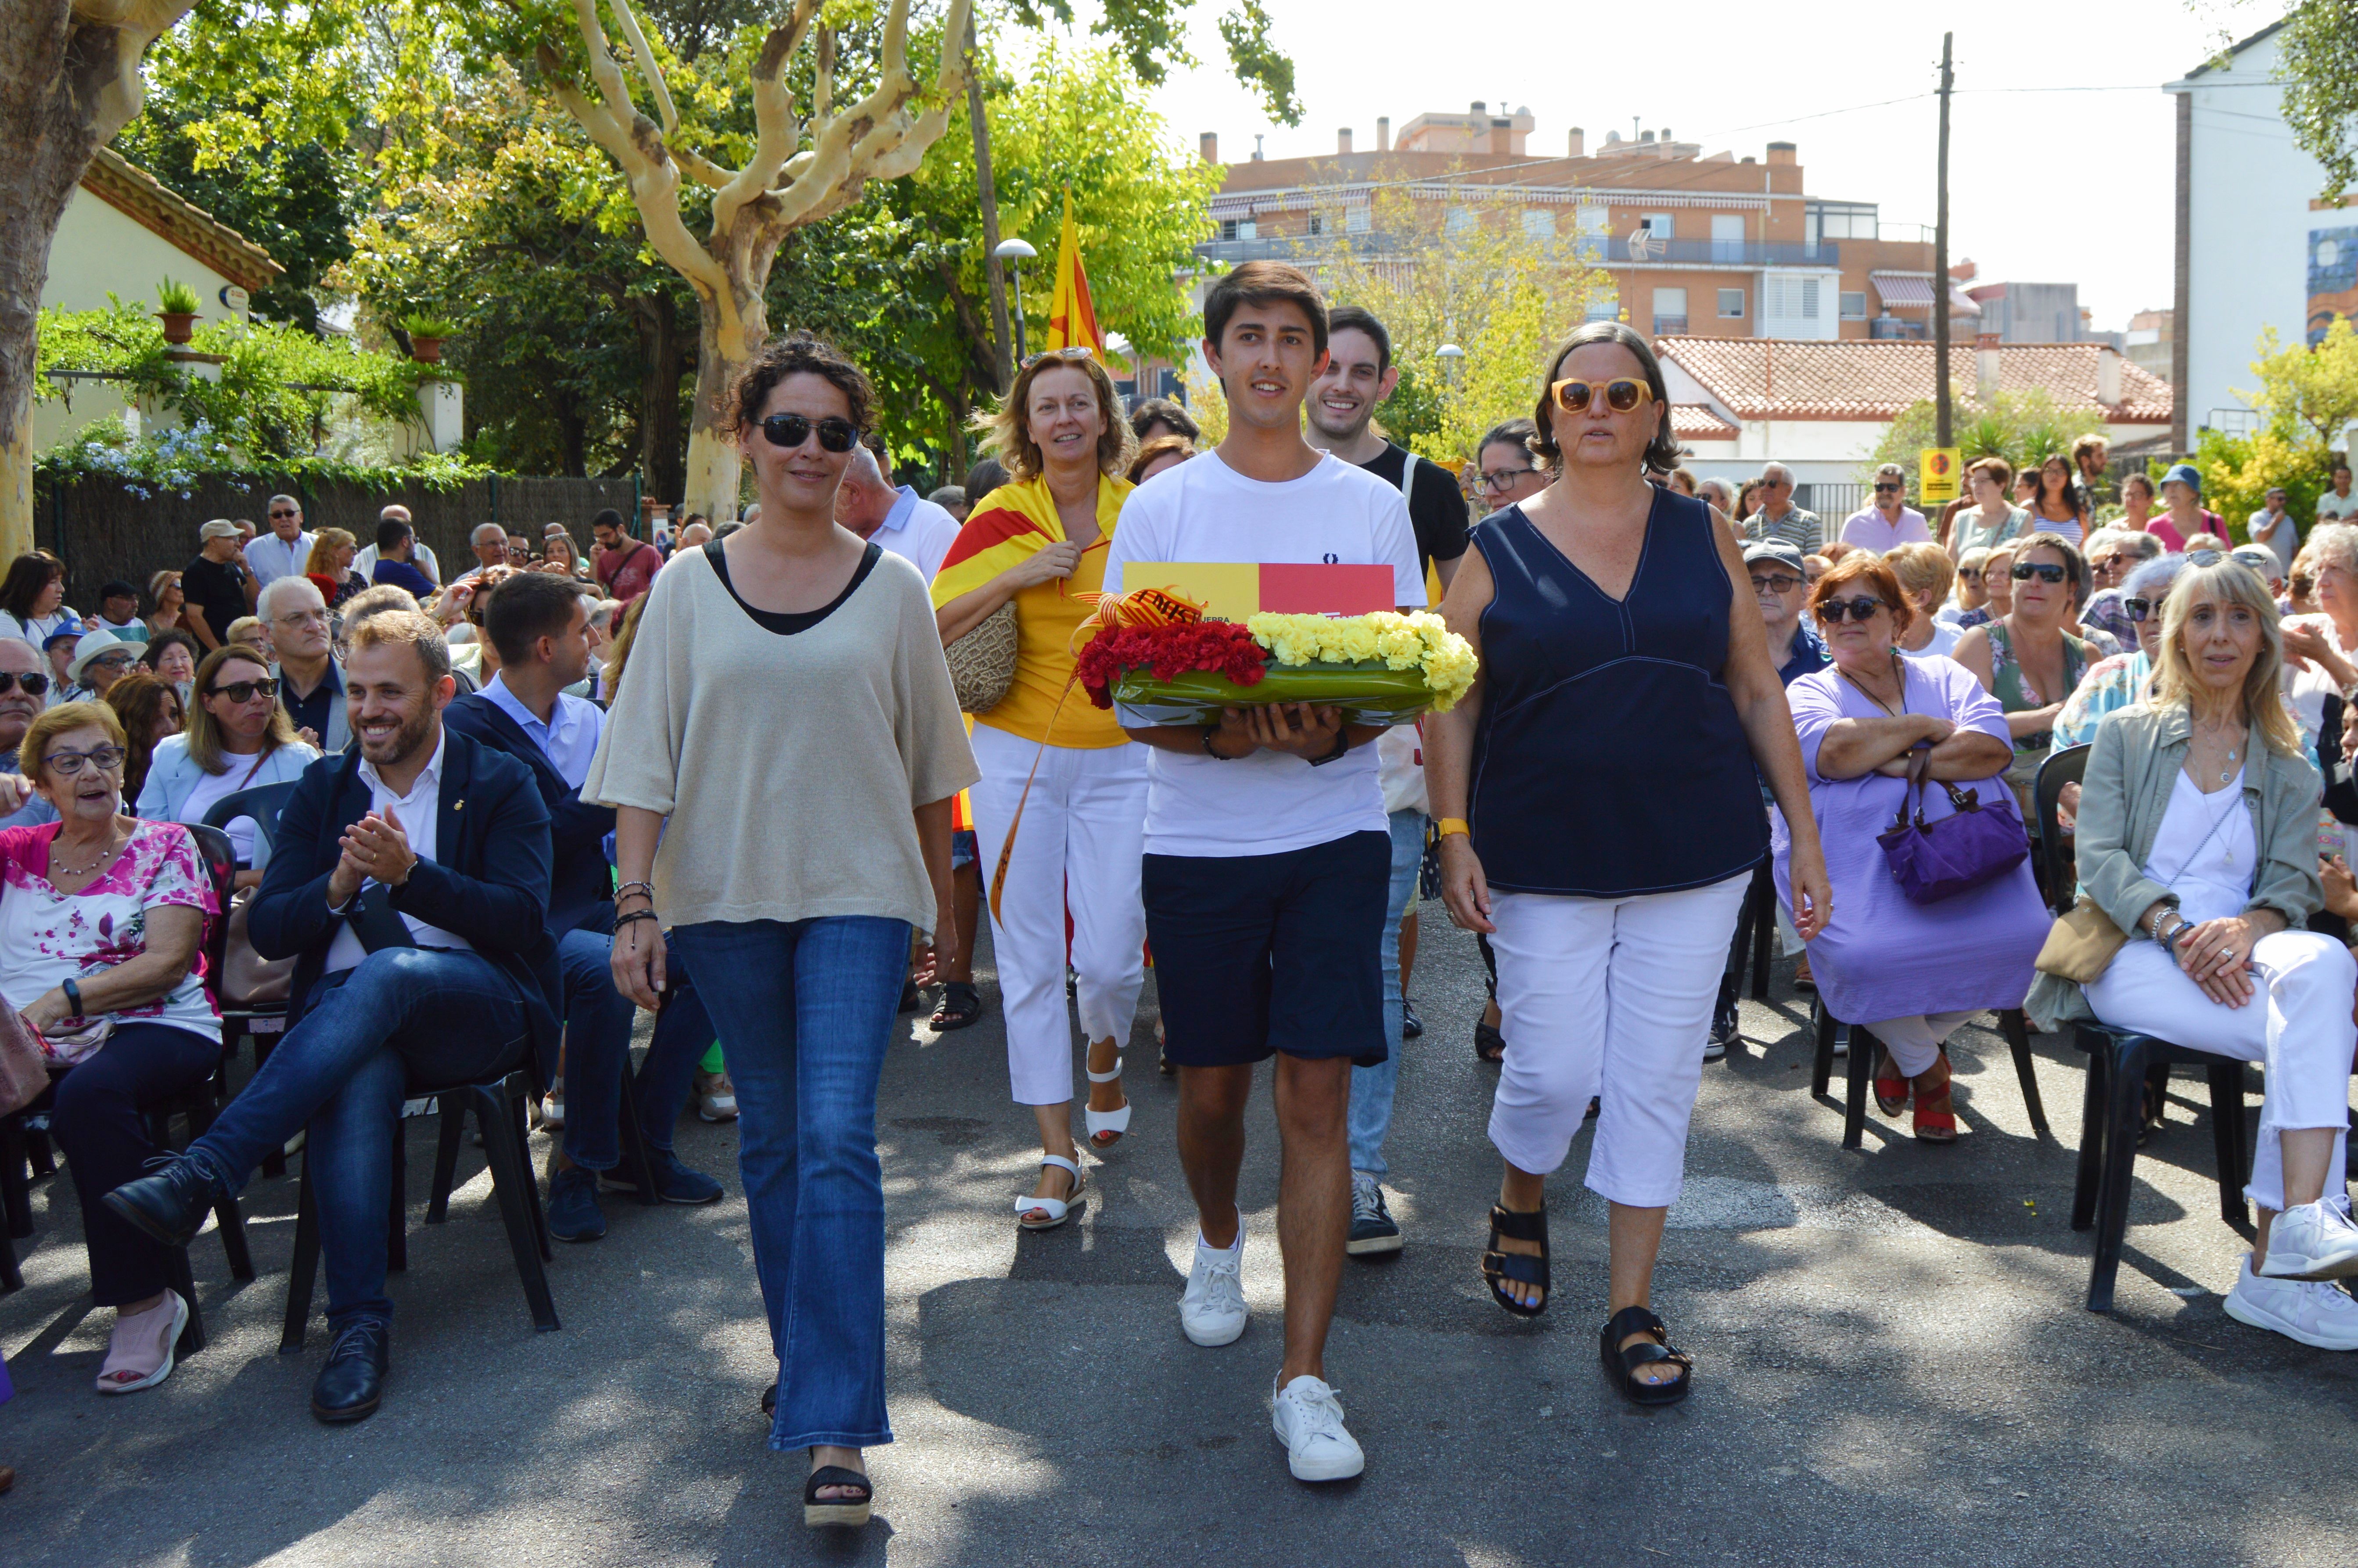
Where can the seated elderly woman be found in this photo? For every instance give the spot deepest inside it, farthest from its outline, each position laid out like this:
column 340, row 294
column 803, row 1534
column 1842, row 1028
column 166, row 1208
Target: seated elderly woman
column 1908, row 973
column 2197, row 836
column 100, row 918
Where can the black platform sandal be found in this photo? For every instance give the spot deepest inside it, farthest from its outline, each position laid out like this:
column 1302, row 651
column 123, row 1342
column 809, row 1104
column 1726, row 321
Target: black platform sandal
column 961, row 1005
column 851, row 1511
column 1622, row 1366
column 1520, row 1267
column 1489, row 1045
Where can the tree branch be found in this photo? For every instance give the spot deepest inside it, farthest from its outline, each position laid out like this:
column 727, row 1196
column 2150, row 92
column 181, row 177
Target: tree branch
column 644, row 58
column 635, row 144
column 776, row 131
column 876, row 138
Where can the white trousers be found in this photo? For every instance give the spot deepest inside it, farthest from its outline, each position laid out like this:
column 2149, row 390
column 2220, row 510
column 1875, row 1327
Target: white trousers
column 1609, row 997
column 2298, row 1022
column 1915, row 1041
column 1082, row 837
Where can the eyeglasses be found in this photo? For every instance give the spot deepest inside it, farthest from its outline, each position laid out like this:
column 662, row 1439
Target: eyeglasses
column 1074, row 351
column 1890, row 487
column 1499, row 479
column 1621, row 394
column 277, row 516
column 1778, row 584
column 1861, row 609
column 790, row 431
column 301, row 617
column 111, row 661
column 2044, row 571
column 68, row 765
column 2138, row 609
column 244, row 690
column 33, row 685
column 1969, row 574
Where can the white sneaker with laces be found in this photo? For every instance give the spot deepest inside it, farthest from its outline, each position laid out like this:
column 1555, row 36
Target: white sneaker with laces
column 2312, row 1241
column 2310, row 1311
column 1308, row 1419
column 1212, row 1311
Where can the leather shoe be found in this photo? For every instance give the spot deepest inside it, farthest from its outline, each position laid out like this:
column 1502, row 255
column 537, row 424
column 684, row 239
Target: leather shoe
column 170, row 1206
column 352, row 1385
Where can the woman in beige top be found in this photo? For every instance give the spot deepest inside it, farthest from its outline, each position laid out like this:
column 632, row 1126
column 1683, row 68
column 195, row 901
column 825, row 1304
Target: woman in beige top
column 782, row 760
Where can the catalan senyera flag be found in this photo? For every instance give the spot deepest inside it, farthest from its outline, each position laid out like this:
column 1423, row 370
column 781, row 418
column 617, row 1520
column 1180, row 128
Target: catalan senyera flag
column 1072, row 315
column 1239, row 590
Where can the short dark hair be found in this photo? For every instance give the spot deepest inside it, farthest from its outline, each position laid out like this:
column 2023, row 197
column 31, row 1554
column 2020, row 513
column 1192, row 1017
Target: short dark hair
column 1357, row 319
column 116, row 587
column 797, row 354
column 390, row 531
column 610, row 518
column 1162, row 411
column 985, row 476
column 1507, row 433
column 1662, row 453
column 1263, row 283
column 524, row 608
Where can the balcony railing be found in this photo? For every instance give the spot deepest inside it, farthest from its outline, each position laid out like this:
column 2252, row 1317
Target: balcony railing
column 1598, row 250
column 1669, row 326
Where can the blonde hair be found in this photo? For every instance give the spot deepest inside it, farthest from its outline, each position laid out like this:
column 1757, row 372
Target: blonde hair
column 203, row 729
column 1008, row 427
column 245, row 629
column 1922, row 569
column 2228, row 582
column 321, row 561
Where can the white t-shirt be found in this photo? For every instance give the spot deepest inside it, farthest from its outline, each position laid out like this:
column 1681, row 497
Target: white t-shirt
column 1267, row 803
column 2332, row 508
column 1945, row 637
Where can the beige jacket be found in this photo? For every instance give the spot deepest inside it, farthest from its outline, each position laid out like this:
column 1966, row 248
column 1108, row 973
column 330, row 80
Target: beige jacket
column 2132, row 765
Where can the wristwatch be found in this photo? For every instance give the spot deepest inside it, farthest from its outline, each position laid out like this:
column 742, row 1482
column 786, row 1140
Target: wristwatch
column 73, row 996
column 1210, row 731
column 1342, row 745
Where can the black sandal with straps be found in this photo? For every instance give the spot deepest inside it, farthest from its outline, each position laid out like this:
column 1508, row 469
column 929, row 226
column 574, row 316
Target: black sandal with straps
column 853, row 1511
column 1622, row 1365
column 1523, row 1268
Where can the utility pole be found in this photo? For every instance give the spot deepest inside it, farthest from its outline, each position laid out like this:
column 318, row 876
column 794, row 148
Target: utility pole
column 988, row 195
column 1941, row 412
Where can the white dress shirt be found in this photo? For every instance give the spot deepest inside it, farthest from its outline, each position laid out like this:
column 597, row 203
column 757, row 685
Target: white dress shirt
column 419, row 813
column 270, row 557
column 569, row 740
column 919, row 531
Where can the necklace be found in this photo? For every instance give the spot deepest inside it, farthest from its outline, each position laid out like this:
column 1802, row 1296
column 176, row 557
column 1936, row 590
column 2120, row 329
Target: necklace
column 1899, row 677
column 106, row 853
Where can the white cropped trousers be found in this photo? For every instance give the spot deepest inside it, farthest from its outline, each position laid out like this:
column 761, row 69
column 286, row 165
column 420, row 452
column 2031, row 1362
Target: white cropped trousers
column 1915, row 1041
column 1082, row 837
column 1607, row 998
column 2298, row 1022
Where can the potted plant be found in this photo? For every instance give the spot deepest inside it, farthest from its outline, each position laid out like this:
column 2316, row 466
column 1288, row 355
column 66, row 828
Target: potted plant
column 427, row 335
column 179, row 310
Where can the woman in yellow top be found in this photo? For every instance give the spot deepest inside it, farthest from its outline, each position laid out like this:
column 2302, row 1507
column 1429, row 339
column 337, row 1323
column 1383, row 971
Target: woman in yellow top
column 1040, row 540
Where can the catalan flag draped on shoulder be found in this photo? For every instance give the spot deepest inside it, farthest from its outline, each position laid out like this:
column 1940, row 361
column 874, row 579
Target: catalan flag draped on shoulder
column 1012, row 523
column 1072, row 314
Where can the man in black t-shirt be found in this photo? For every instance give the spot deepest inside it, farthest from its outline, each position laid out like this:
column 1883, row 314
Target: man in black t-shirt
column 1359, row 374
column 214, row 584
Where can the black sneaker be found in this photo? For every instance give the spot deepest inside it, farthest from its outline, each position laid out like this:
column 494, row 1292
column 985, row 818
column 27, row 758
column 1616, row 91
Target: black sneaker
column 1724, row 1033
column 1411, row 1026
column 1373, row 1229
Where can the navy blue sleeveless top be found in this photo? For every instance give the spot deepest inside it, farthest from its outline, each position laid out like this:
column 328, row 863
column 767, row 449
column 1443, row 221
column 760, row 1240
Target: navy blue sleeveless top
column 1608, row 760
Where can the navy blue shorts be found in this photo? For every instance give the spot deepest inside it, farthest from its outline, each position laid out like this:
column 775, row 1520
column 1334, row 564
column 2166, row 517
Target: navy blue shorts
column 1258, row 954
column 963, row 848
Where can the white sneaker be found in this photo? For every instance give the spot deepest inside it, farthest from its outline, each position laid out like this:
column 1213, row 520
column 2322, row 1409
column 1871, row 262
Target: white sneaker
column 1212, row 1311
column 2312, row 1241
column 2310, row 1311
column 1308, row 1419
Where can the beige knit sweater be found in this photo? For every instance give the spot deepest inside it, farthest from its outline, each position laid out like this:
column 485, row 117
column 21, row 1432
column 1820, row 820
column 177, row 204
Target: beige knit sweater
column 787, row 763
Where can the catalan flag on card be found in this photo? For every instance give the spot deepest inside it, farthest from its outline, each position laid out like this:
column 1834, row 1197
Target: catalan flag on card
column 1234, row 590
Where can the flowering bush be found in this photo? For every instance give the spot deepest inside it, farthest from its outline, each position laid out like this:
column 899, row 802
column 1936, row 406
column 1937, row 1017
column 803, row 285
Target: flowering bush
column 1221, row 646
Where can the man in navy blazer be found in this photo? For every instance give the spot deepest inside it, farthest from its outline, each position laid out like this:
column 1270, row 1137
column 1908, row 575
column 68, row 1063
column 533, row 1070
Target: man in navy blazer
column 410, row 883
column 538, row 623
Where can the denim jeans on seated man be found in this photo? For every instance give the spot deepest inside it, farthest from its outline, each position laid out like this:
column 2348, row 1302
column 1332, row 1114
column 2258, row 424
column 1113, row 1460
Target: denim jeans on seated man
column 683, row 1033
column 1372, row 1087
column 405, row 1016
column 808, row 1010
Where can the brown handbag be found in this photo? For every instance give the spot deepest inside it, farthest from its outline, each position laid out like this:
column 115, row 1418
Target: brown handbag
column 24, row 1064
column 247, row 977
column 2082, row 943
column 982, row 662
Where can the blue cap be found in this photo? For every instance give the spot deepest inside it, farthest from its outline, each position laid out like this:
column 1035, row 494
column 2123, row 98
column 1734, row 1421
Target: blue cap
column 2184, row 473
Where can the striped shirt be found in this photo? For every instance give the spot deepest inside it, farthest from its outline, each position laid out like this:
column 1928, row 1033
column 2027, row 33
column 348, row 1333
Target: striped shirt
column 1799, row 529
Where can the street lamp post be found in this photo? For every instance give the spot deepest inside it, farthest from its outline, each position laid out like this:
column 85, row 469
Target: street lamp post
column 1015, row 252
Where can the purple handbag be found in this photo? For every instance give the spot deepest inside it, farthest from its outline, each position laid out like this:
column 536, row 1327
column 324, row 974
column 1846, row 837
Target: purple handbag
column 1933, row 860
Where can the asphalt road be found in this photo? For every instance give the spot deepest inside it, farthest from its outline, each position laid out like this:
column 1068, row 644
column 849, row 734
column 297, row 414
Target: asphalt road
column 1894, row 1364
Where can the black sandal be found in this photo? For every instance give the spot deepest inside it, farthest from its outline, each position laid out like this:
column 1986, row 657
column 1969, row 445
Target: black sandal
column 1520, row 1267
column 1489, row 1045
column 961, row 1005
column 1621, row 1366
column 838, row 1511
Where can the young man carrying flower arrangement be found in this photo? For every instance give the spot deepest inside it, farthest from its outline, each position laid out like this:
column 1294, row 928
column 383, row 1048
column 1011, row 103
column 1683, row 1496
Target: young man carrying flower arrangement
column 1267, row 851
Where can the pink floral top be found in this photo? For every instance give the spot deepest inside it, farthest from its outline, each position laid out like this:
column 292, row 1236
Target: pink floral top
column 48, row 937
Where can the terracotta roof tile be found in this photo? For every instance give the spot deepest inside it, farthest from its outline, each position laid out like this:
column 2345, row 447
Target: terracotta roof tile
column 148, row 202
column 1693, row 422
column 1877, row 379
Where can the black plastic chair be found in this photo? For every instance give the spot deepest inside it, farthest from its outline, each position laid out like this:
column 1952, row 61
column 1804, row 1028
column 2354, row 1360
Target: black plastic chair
column 1756, row 930
column 2012, row 1022
column 262, row 1023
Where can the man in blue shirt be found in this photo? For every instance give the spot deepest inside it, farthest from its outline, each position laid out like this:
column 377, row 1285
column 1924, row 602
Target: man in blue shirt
column 396, row 544
column 539, row 624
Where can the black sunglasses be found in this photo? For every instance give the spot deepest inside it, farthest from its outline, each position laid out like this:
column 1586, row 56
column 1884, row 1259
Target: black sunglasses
column 34, row 685
column 790, row 431
column 1778, row 584
column 2045, row 571
column 1861, row 609
column 1887, row 488
column 2138, row 609
column 244, row 690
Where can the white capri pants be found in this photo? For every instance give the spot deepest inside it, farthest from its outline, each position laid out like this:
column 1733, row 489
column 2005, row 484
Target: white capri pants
column 1609, row 998
column 1915, row 1041
column 2298, row 1022
column 1081, row 841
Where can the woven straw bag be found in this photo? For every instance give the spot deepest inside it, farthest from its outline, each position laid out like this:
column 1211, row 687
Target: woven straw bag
column 983, row 663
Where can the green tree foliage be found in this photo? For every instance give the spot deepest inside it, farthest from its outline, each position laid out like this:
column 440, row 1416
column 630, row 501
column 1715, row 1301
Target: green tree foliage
column 2318, row 56
column 1151, row 36
column 2306, row 400
column 2020, row 426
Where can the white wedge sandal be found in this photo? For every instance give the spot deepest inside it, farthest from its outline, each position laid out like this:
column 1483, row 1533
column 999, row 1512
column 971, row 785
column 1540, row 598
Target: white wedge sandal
column 1102, row 1122
column 1058, row 1210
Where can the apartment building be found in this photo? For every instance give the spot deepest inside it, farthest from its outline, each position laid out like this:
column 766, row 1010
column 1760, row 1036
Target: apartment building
column 1713, row 245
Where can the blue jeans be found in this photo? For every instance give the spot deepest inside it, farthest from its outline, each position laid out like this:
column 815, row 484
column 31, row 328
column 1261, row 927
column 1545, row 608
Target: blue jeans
column 808, row 1012
column 1372, row 1087
column 404, row 1015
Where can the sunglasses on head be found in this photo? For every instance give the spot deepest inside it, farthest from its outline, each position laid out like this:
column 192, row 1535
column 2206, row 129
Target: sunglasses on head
column 790, row 431
column 2045, row 571
column 34, row 686
column 1621, row 393
column 244, row 690
column 2207, row 557
column 1861, row 609
column 1075, row 352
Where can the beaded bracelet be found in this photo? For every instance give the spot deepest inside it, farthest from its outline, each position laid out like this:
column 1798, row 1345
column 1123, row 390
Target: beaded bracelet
column 628, row 888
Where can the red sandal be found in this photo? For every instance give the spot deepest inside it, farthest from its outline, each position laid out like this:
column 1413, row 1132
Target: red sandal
column 1890, row 1088
column 1937, row 1125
